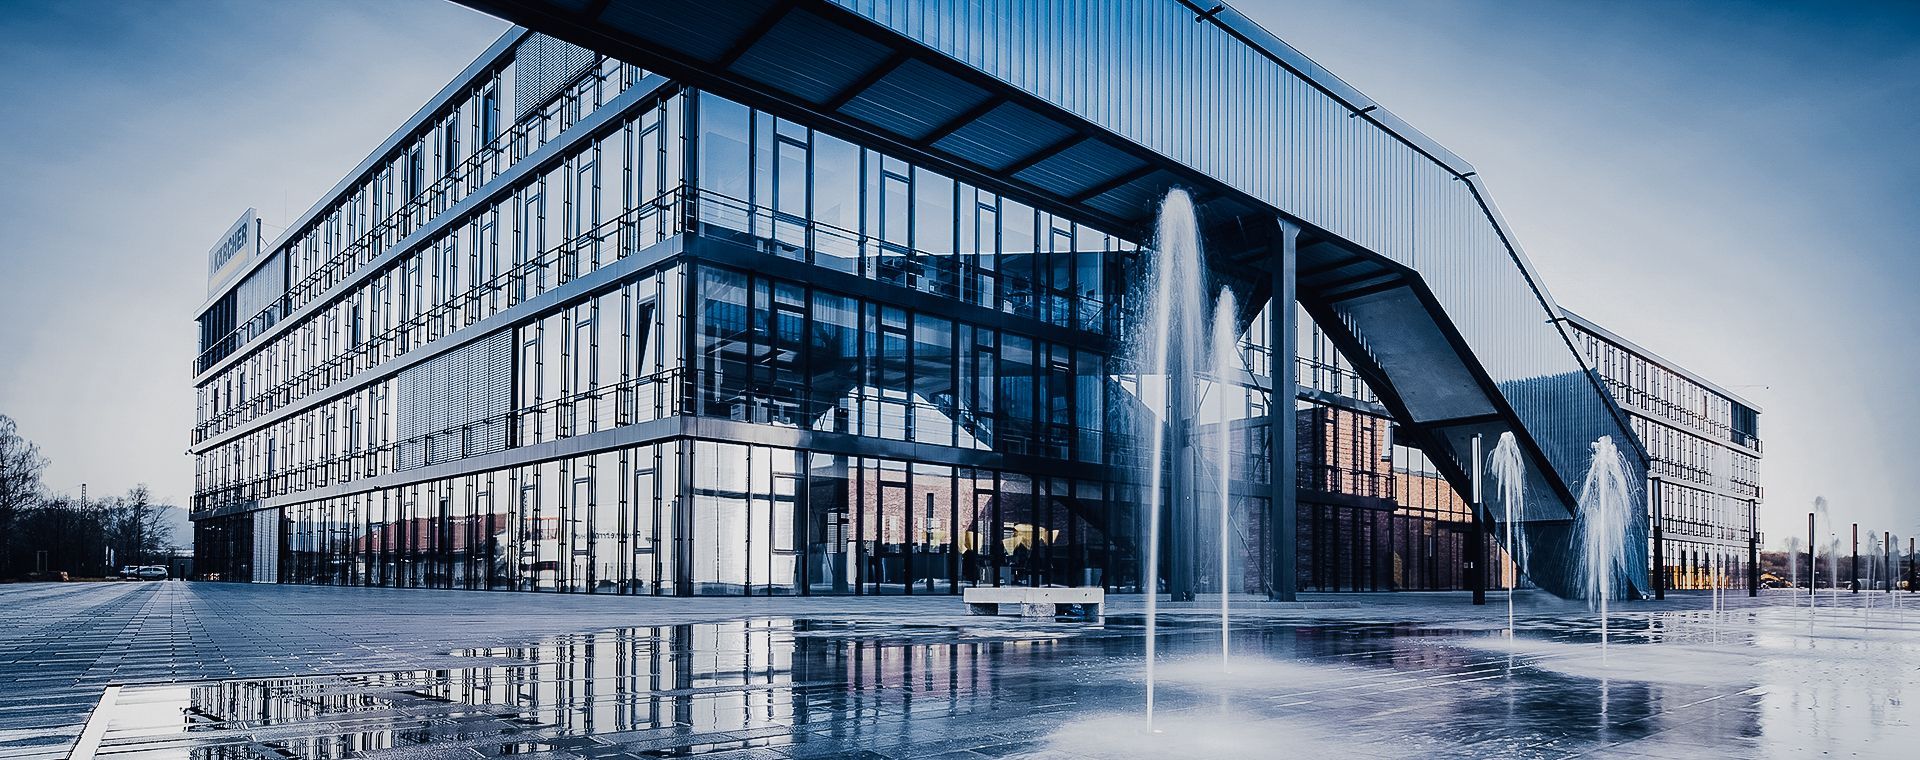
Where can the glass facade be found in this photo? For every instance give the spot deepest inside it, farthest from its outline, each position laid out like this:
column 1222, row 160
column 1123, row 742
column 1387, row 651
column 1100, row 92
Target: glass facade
column 1374, row 512
column 930, row 350
column 582, row 328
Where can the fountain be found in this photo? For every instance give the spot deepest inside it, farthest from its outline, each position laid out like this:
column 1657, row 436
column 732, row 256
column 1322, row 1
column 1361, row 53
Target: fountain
column 1226, row 348
column 1604, row 520
column 1833, row 547
column 1170, row 348
column 1793, row 562
column 1168, row 353
column 1893, row 561
column 1714, row 572
column 1509, row 468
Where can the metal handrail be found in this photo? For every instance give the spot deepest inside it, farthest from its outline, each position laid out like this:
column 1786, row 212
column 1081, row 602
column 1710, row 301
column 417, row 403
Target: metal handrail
column 361, row 356
column 657, row 394
column 1654, row 404
column 466, row 176
column 948, row 275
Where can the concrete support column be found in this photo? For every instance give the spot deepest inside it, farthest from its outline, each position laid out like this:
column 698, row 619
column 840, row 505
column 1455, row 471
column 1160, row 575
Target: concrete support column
column 1281, row 507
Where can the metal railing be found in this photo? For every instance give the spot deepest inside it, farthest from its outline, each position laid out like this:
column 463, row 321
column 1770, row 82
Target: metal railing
column 946, row 275
column 1659, row 407
column 486, row 162
column 654, row 396
column 941, row 275
column 620, row 237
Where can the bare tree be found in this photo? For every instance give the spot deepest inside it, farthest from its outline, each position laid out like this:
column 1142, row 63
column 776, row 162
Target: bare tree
column 59, row 534
column 44, row 532
column 134, row 527
column 21, row 465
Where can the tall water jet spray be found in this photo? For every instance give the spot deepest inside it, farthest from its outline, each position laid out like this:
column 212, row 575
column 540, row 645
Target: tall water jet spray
column 1510, row 470
column 1169, row 348
column 1226, row 365
column 1722, row 575
column 1713, row 582
column 1889, row 563
column 1793, row 563
column 1833, row 548
column 1604, row 518
column 1833, row 568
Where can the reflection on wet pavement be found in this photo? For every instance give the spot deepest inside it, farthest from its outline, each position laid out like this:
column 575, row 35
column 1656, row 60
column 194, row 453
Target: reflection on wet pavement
column 1758, row 682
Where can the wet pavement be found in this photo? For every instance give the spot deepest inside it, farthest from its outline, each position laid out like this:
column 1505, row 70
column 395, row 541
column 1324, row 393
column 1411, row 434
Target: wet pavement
column 228, row 671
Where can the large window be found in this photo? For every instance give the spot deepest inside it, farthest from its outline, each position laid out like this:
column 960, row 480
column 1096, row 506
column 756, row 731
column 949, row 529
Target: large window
column 583, row 217
column 775, row 352
column 725, row 162
column 808, row 195
column 836, row 203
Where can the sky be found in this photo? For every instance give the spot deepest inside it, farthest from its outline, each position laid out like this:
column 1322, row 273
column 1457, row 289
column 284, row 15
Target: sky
column 135, row 134
column 1731, row 185
column 1734, row 186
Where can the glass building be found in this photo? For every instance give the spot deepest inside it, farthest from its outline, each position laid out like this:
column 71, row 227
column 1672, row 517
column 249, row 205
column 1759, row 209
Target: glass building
column 1704, row 477
column 838, row 298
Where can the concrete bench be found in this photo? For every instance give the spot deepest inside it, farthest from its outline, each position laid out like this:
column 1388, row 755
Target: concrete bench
column 1036, row 602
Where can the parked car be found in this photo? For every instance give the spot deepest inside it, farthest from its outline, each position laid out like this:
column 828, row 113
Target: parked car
column 130, row 573
column 153, row 572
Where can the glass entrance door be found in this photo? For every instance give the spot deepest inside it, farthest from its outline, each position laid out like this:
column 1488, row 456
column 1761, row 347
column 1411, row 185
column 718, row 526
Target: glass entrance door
column 883, row 531
column 932, row 513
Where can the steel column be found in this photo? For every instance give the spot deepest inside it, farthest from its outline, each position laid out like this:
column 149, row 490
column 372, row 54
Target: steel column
column 1477, row 552
column 1753, row 549
column 1281, row 335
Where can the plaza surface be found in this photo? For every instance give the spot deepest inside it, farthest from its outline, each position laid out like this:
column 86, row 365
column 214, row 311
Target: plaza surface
column 209, row 670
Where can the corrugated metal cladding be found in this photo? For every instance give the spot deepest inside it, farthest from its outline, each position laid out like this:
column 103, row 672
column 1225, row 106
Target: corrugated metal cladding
column 263, row 288
column 811, row 57
column 541, row 66
column 914, row 99
column 1144, row 70
column 455, row 405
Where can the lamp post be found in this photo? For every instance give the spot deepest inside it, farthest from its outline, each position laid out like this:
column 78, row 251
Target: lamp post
column 1853, row 562
column 1477, row 546
column 1812, row 539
